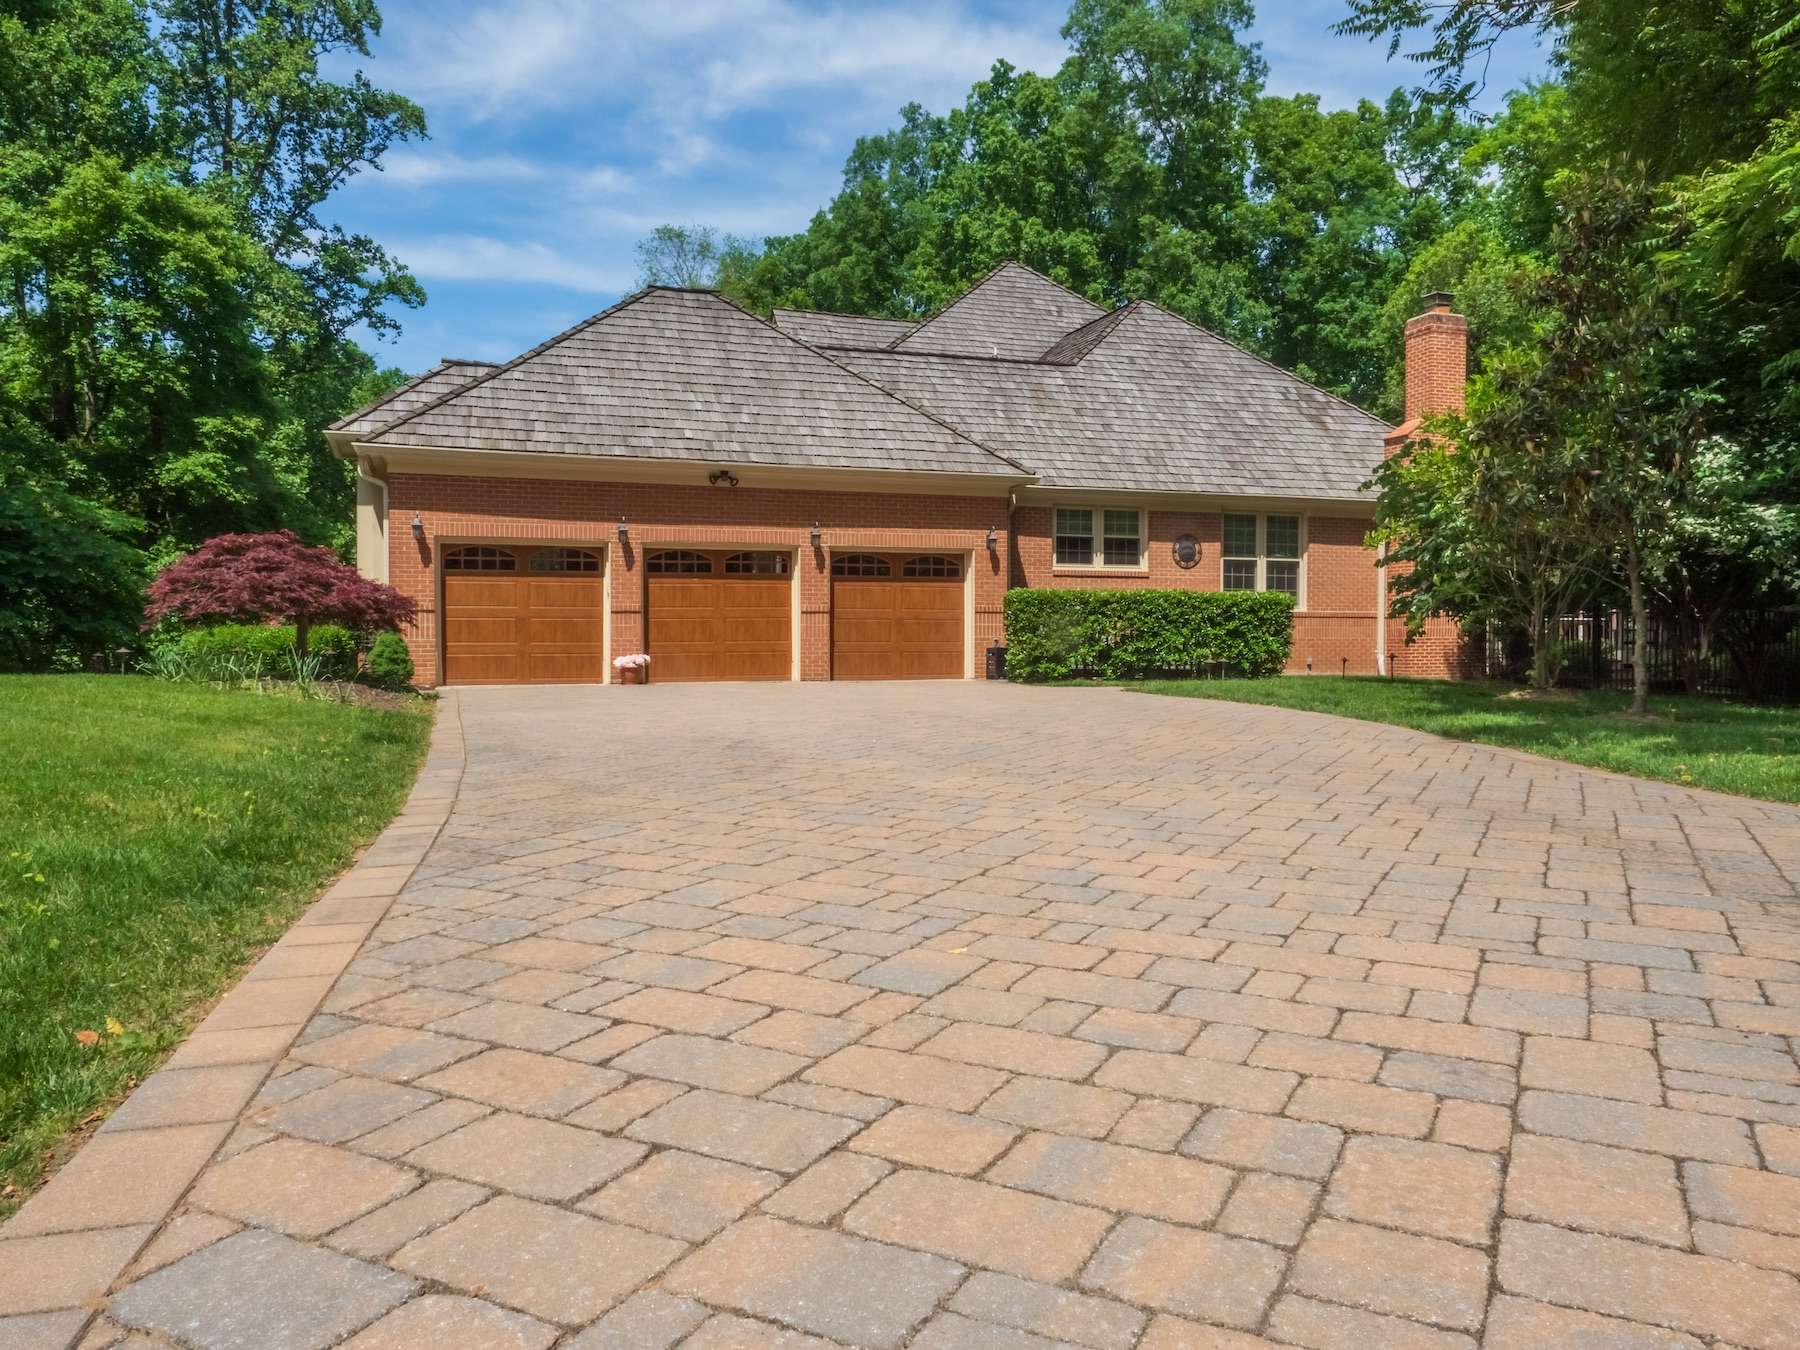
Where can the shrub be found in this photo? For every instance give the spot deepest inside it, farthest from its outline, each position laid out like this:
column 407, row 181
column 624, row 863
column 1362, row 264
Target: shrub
column 1576, row 661
column 241, row 577
column 269, row 649
column 390, row 664
column 1053, row 635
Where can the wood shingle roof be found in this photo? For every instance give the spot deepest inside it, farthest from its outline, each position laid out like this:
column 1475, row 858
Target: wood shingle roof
column 686, row 375
column 1133, row 399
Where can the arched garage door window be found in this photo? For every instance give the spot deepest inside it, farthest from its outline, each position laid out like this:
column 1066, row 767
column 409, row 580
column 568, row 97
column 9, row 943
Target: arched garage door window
column 859, row 565
column 678, row 562
column 931, row 565
column 756, row 565
column 480, row 559
column 565, row 560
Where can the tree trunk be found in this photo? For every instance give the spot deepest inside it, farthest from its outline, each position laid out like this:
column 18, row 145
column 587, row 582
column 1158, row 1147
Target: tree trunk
column 302, row 625
column 1640, row 635
column 1540, row 647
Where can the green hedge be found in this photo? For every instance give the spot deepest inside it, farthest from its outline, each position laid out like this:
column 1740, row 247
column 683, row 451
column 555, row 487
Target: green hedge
column 1114, row 635
column 333, row 647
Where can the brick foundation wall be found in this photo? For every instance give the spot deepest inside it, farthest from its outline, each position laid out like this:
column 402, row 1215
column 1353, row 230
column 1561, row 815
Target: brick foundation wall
column 532, row 510
column 1441, row 652
column 1336, row 629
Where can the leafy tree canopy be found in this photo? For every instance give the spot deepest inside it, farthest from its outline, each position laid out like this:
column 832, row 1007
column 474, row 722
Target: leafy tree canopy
column 174, row 299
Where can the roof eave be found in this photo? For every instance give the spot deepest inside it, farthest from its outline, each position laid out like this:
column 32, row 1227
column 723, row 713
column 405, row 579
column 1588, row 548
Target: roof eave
column 553, row 464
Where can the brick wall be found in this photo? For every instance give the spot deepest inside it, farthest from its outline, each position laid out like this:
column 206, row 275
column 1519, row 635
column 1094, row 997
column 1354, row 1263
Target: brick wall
column 1437, row 359
column 1337, row 628
column 1437, row 372
column 531, row 510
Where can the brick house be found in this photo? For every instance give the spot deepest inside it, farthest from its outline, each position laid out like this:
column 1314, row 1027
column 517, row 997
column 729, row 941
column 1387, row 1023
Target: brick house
column 838, row 497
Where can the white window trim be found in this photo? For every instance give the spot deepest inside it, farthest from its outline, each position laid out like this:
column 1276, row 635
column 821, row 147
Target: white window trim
column 1099, row 563
column 1262, row 551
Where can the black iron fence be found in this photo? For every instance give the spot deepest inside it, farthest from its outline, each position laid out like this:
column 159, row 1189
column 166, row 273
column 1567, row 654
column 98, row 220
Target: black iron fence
column 1749, row 655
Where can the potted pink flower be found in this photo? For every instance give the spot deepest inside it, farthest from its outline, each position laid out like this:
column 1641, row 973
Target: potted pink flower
column 633, row 669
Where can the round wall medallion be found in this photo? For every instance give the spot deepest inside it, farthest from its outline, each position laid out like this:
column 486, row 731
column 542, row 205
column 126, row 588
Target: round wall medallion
column 1187, row 551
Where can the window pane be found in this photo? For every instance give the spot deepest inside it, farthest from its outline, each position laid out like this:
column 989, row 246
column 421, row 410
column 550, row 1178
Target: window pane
column 1240, row 537
column 1121, row 547
column 931, row 565
column 1074, row 536
column 756, row 564
column 1240, row 575
column 1283, row 537
column 859, row 565
column 1284, row 576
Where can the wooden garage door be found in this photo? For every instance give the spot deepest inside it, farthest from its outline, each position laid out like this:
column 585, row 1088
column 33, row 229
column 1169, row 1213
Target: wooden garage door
column 718, row 616
column 896, row 617
column 523, row 616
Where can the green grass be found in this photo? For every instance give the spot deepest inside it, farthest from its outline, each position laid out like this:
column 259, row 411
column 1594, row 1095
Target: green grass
column 154, row 837
column 1747, row 749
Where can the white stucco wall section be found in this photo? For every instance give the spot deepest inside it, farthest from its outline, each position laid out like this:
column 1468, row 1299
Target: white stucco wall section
column 371, row 526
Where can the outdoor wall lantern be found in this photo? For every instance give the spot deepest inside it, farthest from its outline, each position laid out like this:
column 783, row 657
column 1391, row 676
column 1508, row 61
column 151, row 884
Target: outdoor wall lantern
column 993, row 540
column 624, row 531
column 817, row 537
column 418, row 526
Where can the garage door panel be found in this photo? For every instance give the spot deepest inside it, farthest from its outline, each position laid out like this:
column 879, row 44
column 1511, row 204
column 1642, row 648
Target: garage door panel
column 749, row 631
column 470, row 630
column 564, row 667
column 889, row 628
column 476, row 667
column 482, row 592
column 573, row 593
column 518, row 627
column 718, row 627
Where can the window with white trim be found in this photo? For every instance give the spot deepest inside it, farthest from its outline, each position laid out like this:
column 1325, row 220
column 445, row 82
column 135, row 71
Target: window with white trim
column 1095, row 536
column 1261, row 553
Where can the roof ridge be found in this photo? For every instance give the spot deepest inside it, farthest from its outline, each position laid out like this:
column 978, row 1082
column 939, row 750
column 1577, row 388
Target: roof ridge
column 837, row 314
column 525, row 356
column 988, row 276
column 1112, row 318
column 1263, row 360
column 465, row 361
column 944, row 356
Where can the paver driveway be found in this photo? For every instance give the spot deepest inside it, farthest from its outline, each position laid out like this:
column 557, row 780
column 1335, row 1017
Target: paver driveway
column 968, row 1016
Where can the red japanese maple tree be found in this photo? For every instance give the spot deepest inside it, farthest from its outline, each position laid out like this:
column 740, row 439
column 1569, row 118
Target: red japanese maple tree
column 273, row 578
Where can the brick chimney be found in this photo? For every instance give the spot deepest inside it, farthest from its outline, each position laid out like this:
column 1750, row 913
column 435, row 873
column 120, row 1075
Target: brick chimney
column 1437, row 358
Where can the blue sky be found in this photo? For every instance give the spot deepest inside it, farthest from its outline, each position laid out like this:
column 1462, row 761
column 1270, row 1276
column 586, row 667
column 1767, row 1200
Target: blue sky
column 563, row 131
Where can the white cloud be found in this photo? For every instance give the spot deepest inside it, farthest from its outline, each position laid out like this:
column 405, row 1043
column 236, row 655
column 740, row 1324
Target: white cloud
column 491, row 62
column 475, row 257
column 427, row 166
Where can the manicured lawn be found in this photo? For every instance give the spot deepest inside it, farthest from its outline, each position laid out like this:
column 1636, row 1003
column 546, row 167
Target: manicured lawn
column 1748, row 749
column 154, row 837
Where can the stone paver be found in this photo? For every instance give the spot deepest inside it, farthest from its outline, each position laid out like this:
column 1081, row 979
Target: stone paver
column 261, row 1291
column 555, row 1265
column 875, row 1016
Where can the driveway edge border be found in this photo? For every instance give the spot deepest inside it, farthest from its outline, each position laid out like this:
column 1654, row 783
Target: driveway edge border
column 63, row 1250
